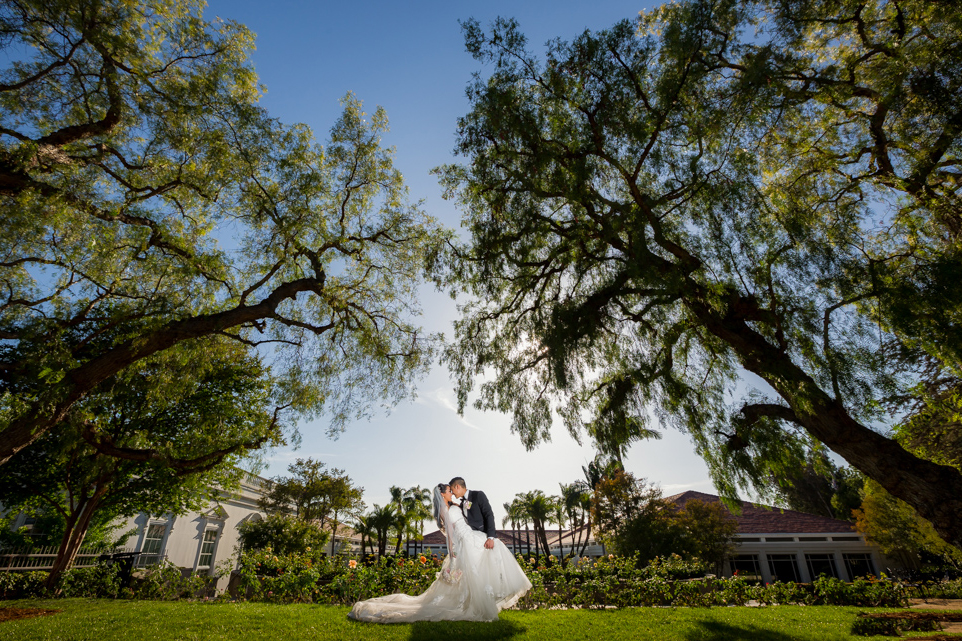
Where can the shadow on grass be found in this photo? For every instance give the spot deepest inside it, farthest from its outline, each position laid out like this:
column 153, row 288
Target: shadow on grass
column 718, row 631
column 464, row 631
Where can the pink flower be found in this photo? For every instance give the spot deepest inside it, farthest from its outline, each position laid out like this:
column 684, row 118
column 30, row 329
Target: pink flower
column 352, row 564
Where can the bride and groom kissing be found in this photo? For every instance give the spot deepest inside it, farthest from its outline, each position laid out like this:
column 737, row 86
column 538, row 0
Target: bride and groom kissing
column 479, row 577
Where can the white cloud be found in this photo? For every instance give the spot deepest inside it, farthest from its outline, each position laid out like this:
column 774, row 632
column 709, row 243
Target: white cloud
column 674, row 488
column 444, row 398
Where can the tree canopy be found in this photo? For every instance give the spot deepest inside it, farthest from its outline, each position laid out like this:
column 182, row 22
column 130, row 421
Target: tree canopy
column 324, row 497
column 718, row 188
column 160, row 438
column 148, row 200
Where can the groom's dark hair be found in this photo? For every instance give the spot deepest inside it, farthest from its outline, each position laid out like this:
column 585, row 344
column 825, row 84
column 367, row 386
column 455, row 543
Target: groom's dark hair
column 457, row 480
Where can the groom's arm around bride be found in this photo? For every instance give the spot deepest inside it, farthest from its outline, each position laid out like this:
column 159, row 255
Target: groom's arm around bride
column 477, row 511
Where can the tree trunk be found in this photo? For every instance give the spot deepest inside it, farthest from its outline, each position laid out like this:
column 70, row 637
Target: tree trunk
column 561, row 547
column 935, row 491
column 587, row 535
column 77, row 524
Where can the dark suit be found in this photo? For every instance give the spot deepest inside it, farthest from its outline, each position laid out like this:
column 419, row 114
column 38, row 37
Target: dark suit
column 479, row 516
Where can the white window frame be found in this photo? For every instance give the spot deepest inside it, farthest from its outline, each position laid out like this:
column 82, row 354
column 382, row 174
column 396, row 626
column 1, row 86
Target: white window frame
column 218, row 531
column 161, row 552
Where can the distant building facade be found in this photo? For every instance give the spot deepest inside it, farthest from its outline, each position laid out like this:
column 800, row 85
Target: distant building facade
column 775, row 544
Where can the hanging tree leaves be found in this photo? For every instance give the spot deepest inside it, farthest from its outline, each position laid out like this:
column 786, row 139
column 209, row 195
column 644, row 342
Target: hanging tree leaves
column 148, row 200
column 719, row 187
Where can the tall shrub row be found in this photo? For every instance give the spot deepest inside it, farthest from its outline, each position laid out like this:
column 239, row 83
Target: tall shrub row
column 607, row 582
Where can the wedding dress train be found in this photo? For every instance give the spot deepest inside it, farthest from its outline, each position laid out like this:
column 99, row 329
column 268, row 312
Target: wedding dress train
column 474, row 584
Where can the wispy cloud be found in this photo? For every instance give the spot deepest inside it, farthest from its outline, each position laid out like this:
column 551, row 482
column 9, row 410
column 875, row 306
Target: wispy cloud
column 444, row 398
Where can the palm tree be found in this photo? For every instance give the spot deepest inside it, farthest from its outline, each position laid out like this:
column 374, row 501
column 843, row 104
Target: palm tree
column 363, row 527
column 570, row 502
column 586, row 500
column 510, row 517
column 559, row 517
column 541, row 511
column 382, row 520
column 523, row 501
column 400, row 516
column 417, row 505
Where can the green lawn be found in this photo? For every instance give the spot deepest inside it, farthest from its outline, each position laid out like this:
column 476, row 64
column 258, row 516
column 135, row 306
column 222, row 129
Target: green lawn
column 105, row 620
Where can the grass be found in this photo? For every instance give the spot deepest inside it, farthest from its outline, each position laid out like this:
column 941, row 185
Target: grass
column 107, row 620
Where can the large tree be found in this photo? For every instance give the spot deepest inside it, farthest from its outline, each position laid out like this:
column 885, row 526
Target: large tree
column 143, row 187
column 656, row 209
column 159, row 438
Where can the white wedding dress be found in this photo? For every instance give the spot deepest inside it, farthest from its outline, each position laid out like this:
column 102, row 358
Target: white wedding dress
column 474, row 584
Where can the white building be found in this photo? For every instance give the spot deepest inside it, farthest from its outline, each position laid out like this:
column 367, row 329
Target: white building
column 204, row 541
column 199, row 542
column 775, row 544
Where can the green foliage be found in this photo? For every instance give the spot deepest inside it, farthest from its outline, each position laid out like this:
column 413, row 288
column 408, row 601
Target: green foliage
column 158, row 438
column 282, row 533
column 820, row 487
column 609, row 581
column 708, row 532
column 899, row 531
column 657, row 207
column 311, row 577
column 167, row 582
column 163, row 582
column 892, row 625
column 133, row 141
column 634, row 519
column 934, row 429
column 324, row 497
column 49, row 527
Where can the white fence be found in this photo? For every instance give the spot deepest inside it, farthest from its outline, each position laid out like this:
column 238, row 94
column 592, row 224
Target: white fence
column 43, row 558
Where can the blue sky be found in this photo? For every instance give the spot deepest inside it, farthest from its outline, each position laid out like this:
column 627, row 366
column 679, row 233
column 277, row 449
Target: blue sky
column 409, row 57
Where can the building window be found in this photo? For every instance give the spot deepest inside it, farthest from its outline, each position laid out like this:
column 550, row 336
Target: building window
column 783, row 567
column 858, row 565
column 819, row 564
column 30, row 526
column 207, row 549
column 153, row 540
column 746, row 566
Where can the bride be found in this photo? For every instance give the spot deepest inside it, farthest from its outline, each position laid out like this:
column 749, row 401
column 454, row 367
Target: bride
column 474, row 583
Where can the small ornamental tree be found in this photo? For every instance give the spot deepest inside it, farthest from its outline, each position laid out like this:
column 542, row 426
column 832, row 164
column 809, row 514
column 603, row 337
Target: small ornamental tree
column 324, row 497
column 708, row 533
column 283, row 534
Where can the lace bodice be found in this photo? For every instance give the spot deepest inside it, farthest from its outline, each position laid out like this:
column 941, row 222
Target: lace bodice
column 455, row 514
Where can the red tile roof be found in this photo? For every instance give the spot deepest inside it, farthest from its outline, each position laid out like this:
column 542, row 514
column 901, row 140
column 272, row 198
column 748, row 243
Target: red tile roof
column 760, row 519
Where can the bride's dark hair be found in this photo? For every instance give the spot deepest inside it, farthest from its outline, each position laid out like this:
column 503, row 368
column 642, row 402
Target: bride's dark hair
column 438, row 503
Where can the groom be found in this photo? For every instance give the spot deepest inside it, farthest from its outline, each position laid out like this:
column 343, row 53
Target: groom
column 477, row 510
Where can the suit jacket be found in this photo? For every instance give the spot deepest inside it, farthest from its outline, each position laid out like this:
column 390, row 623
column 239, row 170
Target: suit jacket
column 479, row 516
